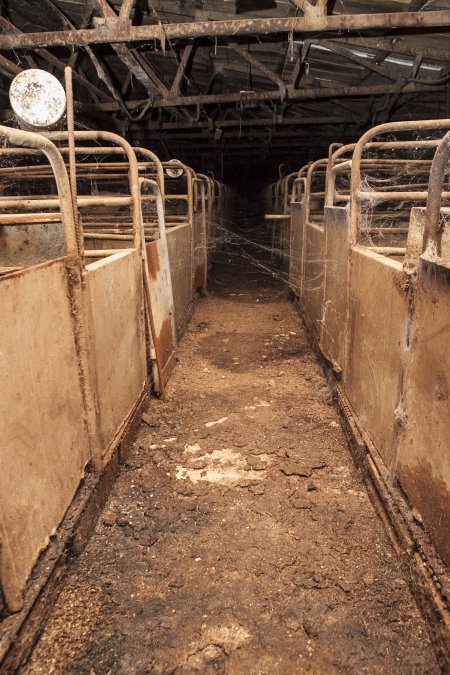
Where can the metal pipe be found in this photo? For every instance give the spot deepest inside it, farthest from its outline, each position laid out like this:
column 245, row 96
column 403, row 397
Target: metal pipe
column 133, row 176
column 357, row 155
column 39, row 142
column 72, row 160
column 431, row 239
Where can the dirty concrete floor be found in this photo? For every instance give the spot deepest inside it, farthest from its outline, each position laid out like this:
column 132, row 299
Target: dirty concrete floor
column 239, row 537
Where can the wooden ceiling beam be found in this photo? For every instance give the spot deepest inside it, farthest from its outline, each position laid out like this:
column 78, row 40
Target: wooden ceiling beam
column 115, row 31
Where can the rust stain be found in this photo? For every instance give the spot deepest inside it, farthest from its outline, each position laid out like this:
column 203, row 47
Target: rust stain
column 431, row 496
column 153, row 259
column 199, row 277
column 441, row 388
column 164, row 341
column 164, row 347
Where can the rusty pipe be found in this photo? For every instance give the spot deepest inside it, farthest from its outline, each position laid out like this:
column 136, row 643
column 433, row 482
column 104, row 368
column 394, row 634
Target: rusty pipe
column 431, row 244
column 133, row 175
column 359, row 148
column 39, row 142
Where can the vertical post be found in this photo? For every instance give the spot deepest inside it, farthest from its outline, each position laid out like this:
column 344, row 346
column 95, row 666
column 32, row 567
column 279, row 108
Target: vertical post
column 72, row 160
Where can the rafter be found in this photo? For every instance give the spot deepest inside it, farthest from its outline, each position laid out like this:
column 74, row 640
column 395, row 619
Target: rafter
column 297, row 70
column 293, row 94
column 54, row 61
column 115, row 31
column 247, row 56
column 395, row 46
column 365, row 62
column 308, row 9
column 9, row 67
column 125, row 55
column 125, row 9
column 180, row 74
column 240, row 123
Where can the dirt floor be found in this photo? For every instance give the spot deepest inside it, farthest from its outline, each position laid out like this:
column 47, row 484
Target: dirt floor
column 239, row 537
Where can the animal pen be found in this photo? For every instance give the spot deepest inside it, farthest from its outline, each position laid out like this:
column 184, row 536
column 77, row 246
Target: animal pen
column 108, row 248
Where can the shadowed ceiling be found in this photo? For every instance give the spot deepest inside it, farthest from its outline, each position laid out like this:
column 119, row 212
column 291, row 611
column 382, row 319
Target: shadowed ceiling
column 236, row 84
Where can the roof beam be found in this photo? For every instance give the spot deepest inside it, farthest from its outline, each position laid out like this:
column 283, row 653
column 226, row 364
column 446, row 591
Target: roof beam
column 297, row 70
column 366, row 63
column 310, row 10
column 122, row 51
column 238, row 123
column 115, row 31
column 175, row 88
column 125, row 9
column 150, row 72
column 293, row 94
column 395, row 46
column 259, row 66
column 54, row 61
column 9, row 67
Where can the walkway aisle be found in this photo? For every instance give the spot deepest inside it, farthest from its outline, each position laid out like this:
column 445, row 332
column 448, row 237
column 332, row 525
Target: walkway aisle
column 239, row 537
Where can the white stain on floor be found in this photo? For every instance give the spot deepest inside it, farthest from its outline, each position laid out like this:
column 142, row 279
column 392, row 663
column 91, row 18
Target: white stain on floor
column 225, row 466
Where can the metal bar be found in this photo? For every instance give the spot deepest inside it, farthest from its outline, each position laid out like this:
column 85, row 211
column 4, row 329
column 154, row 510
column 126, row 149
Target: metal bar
column 395, row 196
column 357, row 155
column 387, row 250
column 104, row 252
column 431, row 243
column 72, row 159
column 108, row 235
column 292, row 94
column 125, row 9
column 366, row 63
column 64, row 200
column 116, row 32
column 174, row 89
column 29, row 218
column 396, row 46
column 133, row 175
column 10, row 67
column 54, row 61
column 27, row 203
column 231, row 124
column 247, row 56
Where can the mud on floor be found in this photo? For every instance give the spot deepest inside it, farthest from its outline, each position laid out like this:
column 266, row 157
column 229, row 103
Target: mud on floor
column 239, row 537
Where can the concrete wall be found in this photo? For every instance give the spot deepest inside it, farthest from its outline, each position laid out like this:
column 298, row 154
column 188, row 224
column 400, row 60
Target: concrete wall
column 200, row 249
column 296, row 247
column 44, row 415
column 335, row 303
column 313, row 275
column 22, row 245
column 44, row 445
column 179, row 243
column 423, row 448
column 389, row 334
column 376, row 347
column 117, row 338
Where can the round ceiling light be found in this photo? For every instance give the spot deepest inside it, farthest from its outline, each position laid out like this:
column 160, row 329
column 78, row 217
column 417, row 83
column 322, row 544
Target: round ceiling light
column 37, row 98
column 174, row 173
